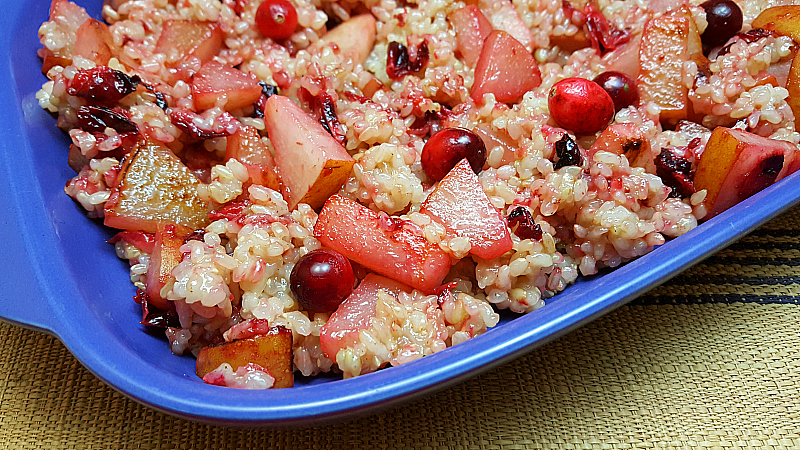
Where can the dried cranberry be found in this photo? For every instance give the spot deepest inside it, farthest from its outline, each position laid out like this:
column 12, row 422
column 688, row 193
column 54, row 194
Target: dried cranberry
column 321, row 280
column 267, row 91
column 153, row 316
column 567, row 152
column 605, row 37
column 186, row 121
column 449, row 146
column 195, row 235
column 324, row 109
column 398, row 62
column 101, row 84
column 95, row 119
column 724, row 19
column 429, row 124
column 675, row 172
column 521, row 223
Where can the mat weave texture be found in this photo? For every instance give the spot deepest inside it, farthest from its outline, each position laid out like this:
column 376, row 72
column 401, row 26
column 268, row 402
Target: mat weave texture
column 709, row 360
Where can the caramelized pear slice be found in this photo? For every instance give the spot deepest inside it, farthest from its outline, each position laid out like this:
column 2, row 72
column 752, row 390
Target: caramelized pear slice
column 272, row 351
column 154, row 187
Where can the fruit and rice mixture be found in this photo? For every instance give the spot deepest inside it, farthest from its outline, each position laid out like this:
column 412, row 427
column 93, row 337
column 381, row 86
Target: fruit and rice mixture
column 316, row 186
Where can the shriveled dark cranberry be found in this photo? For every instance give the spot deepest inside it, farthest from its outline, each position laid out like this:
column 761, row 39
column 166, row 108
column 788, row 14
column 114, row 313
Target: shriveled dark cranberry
column 428, row 124
column 567, row 152
column 620, row 87
column 153, row 316
column 762, row 176
column 605, row 37
column 399, row 63
column 675, row 172
column 321, row 280
column 449, row 146
column 324, row 109
column 521, row 223
column 101, row 84
column 95, row 119
column 194, row 235
column 724, row 19
column 267, row 91
column 186, row 121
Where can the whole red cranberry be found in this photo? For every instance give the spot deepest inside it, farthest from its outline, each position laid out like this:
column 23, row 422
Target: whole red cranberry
column 321, row 280
column 724, row 19
column 620, row 87
column 276, row 19
column 449, row 146
column 580, row 105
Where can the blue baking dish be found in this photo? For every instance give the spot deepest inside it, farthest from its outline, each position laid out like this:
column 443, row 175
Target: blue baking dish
column 63, row 278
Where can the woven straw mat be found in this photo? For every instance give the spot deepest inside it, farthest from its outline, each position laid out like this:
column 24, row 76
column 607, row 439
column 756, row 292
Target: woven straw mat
column 709, row 360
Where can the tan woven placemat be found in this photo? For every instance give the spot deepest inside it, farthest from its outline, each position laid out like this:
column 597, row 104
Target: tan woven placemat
column 698, row 363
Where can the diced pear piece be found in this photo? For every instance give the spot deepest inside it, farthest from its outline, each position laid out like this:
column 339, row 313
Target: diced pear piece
column 355, row 313
column 247, row 147
column 793, row 86
column 312, row 164
column 460, row 204
column 736, row 164
column 272, row 351
column 215, row 80
column 504, row 16
column 166, row 255
column 355, row 37
column 154, row 187
column 93, row 41
column 784, row 20
column 386, row 245
column 471, row 28
column 180, row 39
column 667, row 42
column 505, row 69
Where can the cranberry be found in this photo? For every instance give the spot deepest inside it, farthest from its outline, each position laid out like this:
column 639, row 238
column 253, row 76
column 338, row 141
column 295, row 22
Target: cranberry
column 522, row 224
column 604, row 36
column 620, row 87
column 400, row 64
column 321, row 280
column 102, row 84
column 187, row 121
column 324, row 109
column 676, row 173
column 724, row 19
column 568, row 153
column 98, row 118
column 276, row 19
column 580, row 105
column 267, row 91
column 449, row 146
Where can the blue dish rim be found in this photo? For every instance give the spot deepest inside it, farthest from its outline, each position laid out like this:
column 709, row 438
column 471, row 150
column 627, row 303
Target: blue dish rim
column 41, row 254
